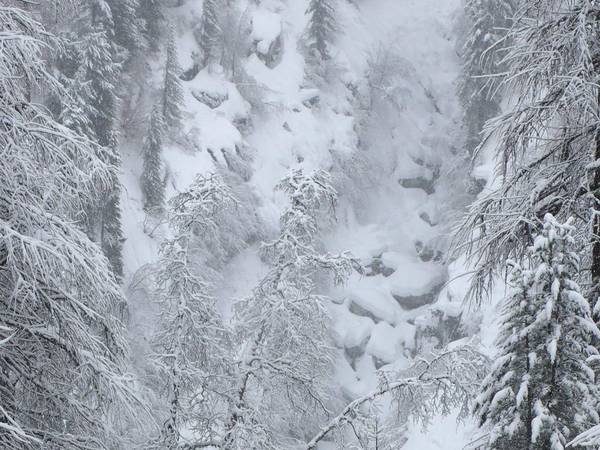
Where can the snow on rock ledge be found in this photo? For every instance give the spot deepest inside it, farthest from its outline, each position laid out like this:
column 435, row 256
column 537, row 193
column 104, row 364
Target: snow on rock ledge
column 387, row 343
column 414, row 283
column 266, row 34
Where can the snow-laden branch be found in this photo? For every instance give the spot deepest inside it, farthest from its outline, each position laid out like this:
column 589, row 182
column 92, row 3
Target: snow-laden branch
column 283, row 326
column 189, row 341
column 546, row 142
column 63, row 373
column 449, row 380
column 589, row 438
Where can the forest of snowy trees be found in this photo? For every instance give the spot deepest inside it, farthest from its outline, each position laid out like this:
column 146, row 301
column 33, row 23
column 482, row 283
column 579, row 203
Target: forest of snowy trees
column 299, row 224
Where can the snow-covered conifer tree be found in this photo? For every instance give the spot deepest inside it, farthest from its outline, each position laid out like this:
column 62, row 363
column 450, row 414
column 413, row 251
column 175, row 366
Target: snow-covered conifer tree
column 151, row 11
column 102, row 72
column 541, row 392
column 128, row 25
column 75, row 113
column 209, row 31
column 321, row 27
column 153, row 186
column 283, row 327
column 190, row 341
column 487, row 22
column 62, row 379
column 504, row 404
column 99, row 67
column 94, row 72
column 172, row 95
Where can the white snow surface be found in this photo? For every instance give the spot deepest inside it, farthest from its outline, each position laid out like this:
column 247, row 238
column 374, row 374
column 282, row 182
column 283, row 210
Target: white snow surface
column 287, row 133
column 266, row 28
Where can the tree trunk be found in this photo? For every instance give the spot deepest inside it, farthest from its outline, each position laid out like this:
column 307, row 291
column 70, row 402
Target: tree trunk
column 595, row 190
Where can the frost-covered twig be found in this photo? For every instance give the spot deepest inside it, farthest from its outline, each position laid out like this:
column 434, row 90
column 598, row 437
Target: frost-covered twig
column 189, row 344
column 283, row 326
column 545, row 142
column 455, row 373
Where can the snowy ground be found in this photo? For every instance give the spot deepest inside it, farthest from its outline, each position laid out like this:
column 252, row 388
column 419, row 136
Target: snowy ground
column 391, row 222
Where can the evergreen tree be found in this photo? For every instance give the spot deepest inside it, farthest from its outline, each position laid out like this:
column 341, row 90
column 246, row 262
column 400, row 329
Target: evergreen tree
column 172, row 90
column 505, row 405
column 153, row 186
column 111, row 236
column 189, row 344
column 209, row 32
column 321, row 27
column 128, row 26
column 62, row 360
column 76, row 113
column 101, row 72
column 488, row 22
column 151, row 11
column 100, row 69
column 541, row 392
column 91, row 71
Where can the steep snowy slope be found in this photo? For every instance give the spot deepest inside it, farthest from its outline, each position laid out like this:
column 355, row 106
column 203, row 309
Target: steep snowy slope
column 401, row 309
column 398, row 231
column 386, row 124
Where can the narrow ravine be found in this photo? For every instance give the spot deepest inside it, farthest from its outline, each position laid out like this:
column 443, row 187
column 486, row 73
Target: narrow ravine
column 387, row 126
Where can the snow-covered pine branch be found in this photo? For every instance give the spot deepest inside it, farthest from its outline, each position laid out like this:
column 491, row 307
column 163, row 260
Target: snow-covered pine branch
column 62, row 377
column 589, row 438
column 8, row 424
column 541, row 391
column 439, row 384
